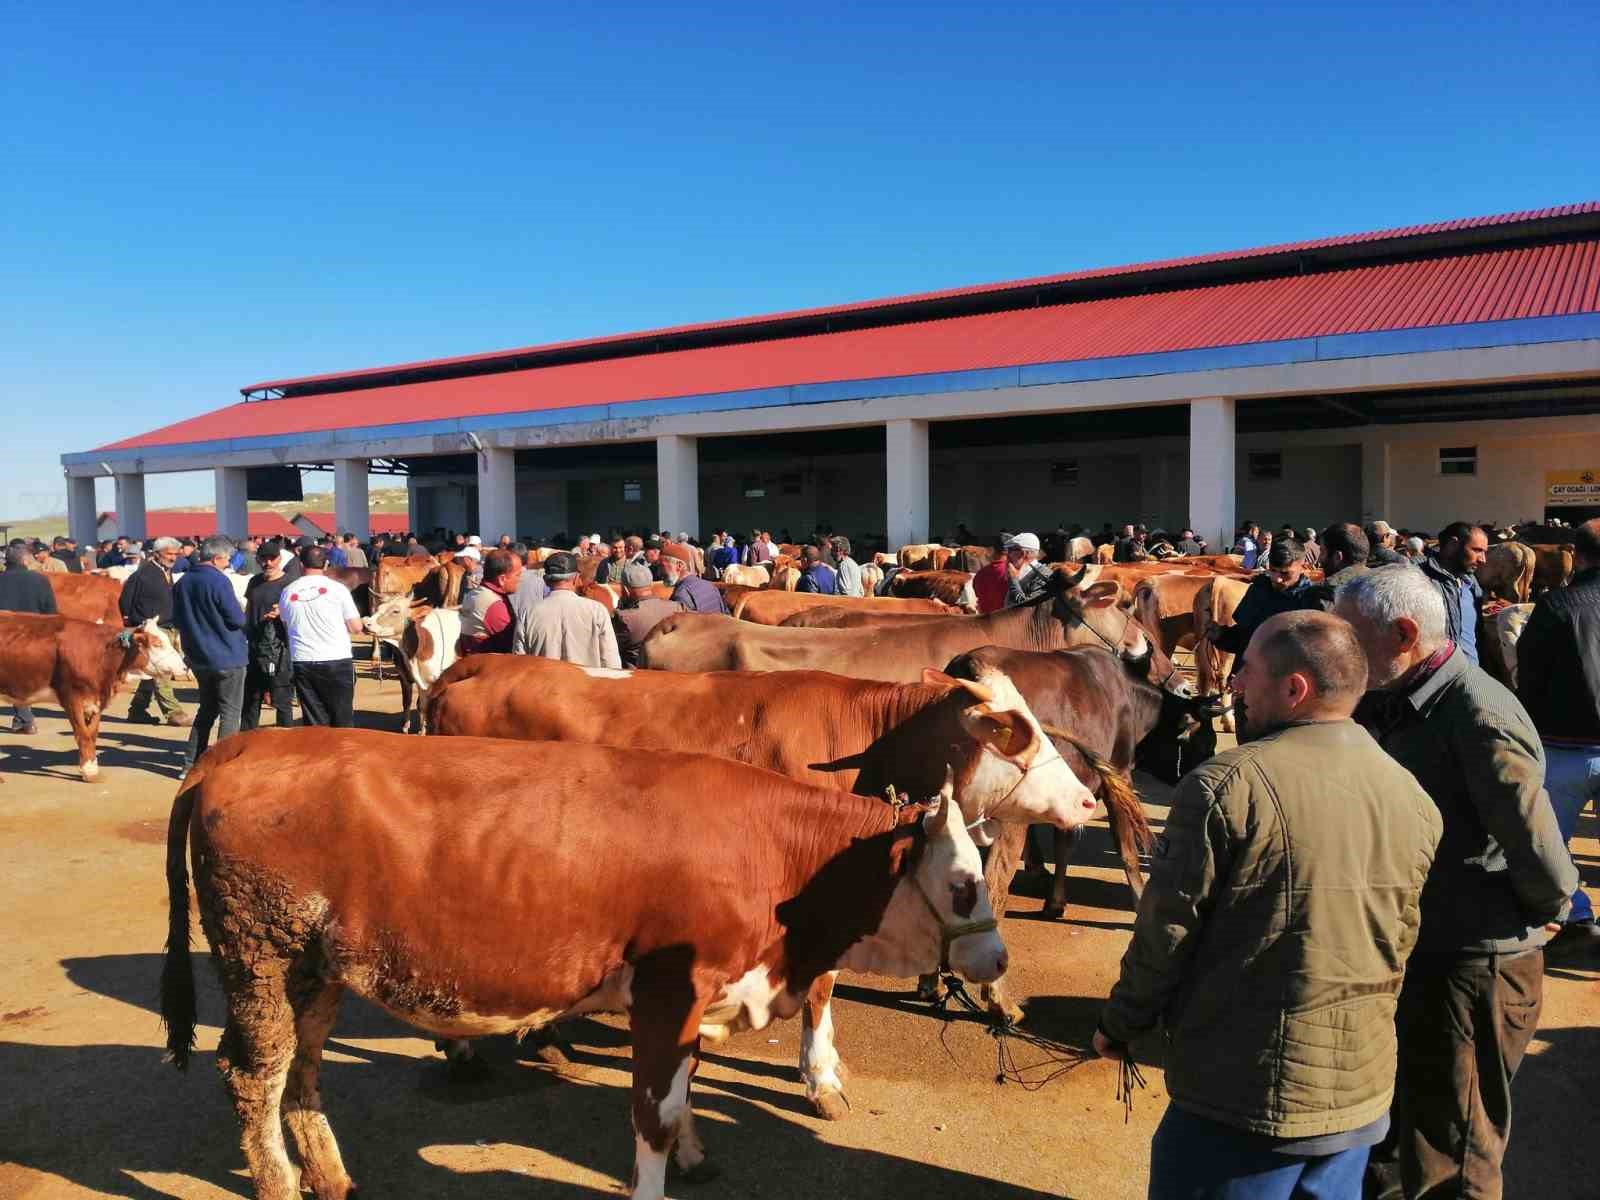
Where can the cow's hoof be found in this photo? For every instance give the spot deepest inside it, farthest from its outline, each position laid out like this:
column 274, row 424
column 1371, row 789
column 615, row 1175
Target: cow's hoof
column 90, row 774
column 831, row 1105
column 551, row 1055
column 469, row 1069
column 703, row 1171
column 928, row 989
column 1053, row 912
column 997, row 1004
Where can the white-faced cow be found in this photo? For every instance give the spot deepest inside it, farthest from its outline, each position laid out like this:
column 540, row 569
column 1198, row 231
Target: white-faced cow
column 424, row 638
column 703, row 899
column 80, row 663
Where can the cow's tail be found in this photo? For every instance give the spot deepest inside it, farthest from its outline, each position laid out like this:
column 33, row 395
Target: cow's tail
column 177, row 970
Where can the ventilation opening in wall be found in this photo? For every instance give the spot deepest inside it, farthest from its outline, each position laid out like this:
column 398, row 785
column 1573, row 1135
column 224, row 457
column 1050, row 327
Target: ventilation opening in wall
column 632, row 491
column 1458, row 460
column 1265, row 465
column 790, row 484
column 1064, row 473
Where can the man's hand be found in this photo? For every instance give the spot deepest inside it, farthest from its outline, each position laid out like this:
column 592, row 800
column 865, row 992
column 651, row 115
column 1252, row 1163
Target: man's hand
column 1106, row 1048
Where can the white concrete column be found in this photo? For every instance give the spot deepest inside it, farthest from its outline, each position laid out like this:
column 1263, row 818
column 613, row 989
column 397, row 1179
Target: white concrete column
column 1375, row 479
column 906, row 461
column 1211, row 470
column 233, row 502
column 81, row 515
column 130, row 507
column 497, row 494
column 413, row 505
column 350, row 508
column 678, row 484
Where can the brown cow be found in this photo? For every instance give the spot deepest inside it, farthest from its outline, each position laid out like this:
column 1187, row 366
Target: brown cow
column 758, row 576
column 768, row 607
column 1213, row 607
column 970, row 559
column 821, row 729
column 81, row 663
column 1553, row 567
column 1165, row 604
column 395, row 576
column 950, row 587
column 86, row 597
column 1507, row 571
column 424, row 638
column 928, row 556
column 840, row 617
column 703, row 899
column 1058, row 618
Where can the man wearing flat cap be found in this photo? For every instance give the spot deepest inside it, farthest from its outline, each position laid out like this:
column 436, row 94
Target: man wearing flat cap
column 639, row 612
column 566, row 625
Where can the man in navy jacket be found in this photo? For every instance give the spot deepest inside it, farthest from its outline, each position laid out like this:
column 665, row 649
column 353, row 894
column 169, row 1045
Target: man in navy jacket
column 208, row 616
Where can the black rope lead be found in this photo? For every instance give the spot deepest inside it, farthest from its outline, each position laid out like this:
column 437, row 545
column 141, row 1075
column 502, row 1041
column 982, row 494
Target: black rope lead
column 1059, row 1058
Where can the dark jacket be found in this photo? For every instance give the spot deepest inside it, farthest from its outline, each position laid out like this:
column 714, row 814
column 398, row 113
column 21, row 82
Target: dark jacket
column 1272, row 938
column 698, row 595
column 145, row 594
column 1502, row 869
column 1463, row 605
column 634, row 622
column 70, row 559
column 25, row 591
column 610, row 571
column 1383, row 556
column 209, row 618
column 1558, row 661
column 268, row 640
column 1260, row 601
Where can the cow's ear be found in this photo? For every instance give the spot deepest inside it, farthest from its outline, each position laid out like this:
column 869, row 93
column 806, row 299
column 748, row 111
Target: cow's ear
column 934, row 675
column 1006, row 731
column 1101, row 595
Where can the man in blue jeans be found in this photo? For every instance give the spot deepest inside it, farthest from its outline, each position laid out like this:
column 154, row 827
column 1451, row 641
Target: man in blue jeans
column 1558, row 681
column 207, row 614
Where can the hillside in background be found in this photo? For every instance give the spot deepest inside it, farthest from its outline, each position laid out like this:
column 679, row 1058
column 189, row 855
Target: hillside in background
column 379, row 500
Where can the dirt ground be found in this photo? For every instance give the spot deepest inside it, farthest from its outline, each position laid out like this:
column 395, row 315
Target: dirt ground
column 88, row 1109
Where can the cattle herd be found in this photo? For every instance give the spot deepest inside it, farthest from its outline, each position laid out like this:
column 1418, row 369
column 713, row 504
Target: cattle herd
column 805, row 788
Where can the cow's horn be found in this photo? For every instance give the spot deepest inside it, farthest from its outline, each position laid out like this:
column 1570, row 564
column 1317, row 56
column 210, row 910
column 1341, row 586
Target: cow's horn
column 940, row 817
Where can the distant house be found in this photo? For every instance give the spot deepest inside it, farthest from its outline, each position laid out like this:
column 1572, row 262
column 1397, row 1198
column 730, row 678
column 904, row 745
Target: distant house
column 185, row 524
column 315, row 524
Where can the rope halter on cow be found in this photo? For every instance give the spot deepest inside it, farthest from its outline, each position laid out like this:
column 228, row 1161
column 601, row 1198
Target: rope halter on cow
column 949, row 931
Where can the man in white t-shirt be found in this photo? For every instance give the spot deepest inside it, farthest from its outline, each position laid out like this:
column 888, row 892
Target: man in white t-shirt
column 319, row 616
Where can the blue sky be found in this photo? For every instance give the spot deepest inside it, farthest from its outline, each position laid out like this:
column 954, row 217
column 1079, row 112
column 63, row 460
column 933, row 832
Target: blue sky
column 196, row 198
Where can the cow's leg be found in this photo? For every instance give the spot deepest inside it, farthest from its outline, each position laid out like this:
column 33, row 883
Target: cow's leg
column 1005, row 856
column 1066, row 844
column 403, row 674
column 83, row 714
column 254, row 1056
column 689, row 1155
column 322, row 1164
column 665, row 1016
column 820, row 1068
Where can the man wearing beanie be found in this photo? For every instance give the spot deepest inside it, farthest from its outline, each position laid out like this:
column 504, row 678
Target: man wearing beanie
column 566, row 625
column 639, row 612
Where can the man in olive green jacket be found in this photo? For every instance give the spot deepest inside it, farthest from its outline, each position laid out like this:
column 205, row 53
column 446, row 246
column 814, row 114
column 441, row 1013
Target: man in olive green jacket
column 1272, row 938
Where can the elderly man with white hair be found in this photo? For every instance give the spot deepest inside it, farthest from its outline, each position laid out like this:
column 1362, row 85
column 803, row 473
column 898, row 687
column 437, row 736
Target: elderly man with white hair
column 1497, row 890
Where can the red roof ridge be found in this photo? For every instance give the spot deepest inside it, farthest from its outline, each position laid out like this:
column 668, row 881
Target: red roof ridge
column 1383, row 235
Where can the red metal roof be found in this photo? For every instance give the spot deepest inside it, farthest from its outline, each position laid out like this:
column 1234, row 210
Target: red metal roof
column 1537, row 281
column 1327, row 243
column 376, row 522
column 181, row 523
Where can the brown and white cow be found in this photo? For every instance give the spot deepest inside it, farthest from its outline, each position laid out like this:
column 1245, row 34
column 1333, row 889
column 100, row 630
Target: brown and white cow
column 757, row 576
column 1507, row 572
column 424, row 638
column 81, row 664
column 703, row 899
column 86, row 597
column 950, row 587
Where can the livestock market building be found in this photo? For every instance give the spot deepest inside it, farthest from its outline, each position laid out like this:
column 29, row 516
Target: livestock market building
column 1421, row 375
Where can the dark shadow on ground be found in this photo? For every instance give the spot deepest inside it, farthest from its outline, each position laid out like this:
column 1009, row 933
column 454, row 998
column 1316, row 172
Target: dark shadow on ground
column 96, row 1114
column 1551, row 1156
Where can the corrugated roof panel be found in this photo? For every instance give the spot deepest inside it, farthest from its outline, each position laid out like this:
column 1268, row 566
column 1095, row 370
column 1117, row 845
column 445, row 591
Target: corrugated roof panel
column 1407, row 231
column 1487, row 286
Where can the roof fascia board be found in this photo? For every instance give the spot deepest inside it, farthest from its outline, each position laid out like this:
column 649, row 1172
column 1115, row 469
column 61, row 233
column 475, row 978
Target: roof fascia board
column 638, row 420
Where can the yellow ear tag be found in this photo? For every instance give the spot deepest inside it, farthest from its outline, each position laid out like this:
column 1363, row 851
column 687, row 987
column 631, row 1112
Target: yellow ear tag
column 1004, row 737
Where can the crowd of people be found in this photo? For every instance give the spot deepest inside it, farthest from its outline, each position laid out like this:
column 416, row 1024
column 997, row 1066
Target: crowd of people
column 1348, row 916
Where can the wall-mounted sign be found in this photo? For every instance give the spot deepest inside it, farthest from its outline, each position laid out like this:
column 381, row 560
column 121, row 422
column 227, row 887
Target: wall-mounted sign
column 1572, row 487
